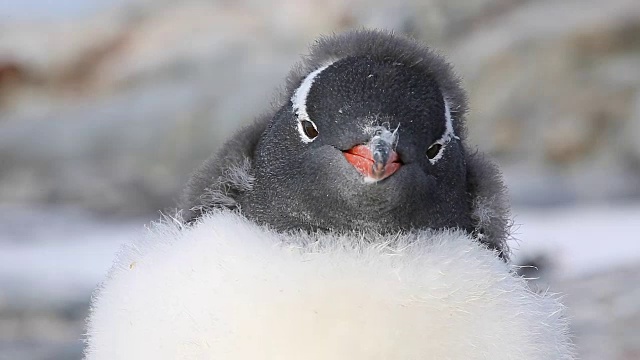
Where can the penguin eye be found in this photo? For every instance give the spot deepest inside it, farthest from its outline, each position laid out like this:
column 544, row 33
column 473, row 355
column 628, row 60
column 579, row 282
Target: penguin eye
column 434, row 150
column 309, row 129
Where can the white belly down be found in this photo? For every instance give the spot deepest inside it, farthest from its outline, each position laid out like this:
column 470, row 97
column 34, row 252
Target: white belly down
column 227, row 289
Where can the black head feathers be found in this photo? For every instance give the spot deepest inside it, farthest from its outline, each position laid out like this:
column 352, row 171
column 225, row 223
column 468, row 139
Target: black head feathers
column 368, row 135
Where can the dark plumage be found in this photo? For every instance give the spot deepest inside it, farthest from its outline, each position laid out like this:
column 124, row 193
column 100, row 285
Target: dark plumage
column 300, row 165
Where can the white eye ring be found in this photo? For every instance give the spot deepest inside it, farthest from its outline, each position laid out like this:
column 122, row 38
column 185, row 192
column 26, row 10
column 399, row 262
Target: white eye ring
column 435, row 151
column 308, row 130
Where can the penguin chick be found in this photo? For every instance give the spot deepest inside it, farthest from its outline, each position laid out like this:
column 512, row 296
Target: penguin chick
column 368, row 138
column 369, row 134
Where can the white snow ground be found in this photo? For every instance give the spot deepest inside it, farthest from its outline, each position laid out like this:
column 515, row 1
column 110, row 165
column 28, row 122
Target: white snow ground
column 61, row 254
column 579, row 240
column 57, row 254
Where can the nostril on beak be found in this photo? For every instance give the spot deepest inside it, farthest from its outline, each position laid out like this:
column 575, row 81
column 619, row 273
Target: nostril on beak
column 380, row 150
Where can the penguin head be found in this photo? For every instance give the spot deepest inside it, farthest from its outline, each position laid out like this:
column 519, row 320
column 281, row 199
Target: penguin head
column 368, row 135
column 362, row 144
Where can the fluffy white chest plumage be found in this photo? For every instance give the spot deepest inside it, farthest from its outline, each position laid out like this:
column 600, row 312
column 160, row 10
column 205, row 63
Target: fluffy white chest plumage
column 226, row 288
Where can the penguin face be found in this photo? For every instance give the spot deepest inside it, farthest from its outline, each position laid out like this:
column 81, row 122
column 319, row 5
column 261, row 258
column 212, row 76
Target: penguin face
column 362, row 144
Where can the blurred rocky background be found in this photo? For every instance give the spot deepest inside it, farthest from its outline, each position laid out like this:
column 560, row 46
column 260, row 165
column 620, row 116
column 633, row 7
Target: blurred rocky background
column 106, row 106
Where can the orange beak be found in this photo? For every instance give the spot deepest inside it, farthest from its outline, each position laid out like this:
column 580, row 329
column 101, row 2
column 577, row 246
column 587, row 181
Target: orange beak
column 376, row 165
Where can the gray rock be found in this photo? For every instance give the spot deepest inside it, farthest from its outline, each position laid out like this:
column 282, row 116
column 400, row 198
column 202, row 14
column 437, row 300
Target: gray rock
column 605, row 313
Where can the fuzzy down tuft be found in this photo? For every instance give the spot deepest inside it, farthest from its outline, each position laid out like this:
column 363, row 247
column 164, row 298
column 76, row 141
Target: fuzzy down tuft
column 228, row 289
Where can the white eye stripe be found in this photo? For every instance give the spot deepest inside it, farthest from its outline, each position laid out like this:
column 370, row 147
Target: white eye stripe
column 448, row 133
column 449, row 121
column 299, row 102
